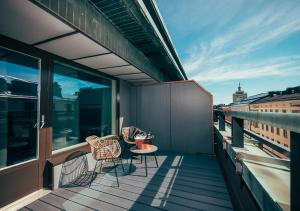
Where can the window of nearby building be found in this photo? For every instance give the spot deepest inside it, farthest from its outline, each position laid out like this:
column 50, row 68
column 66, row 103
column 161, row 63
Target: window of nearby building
column 278, row 131
column 83, row 105
column 263, row 126
column 278, row 142
column 271, row 110
column 295, row 111
column 286, row 145
column 272, row 129
column 285, row 133
column 19, row 102
column 272, row 139
column 283, row 110
column 267, row 127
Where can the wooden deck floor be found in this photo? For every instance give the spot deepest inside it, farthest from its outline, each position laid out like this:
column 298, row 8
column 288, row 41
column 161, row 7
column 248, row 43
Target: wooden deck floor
column 182, row 182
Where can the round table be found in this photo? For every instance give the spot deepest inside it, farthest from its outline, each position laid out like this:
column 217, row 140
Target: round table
column 143, row 152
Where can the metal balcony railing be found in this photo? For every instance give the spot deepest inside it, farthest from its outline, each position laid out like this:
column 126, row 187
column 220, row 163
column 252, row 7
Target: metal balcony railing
column 290, row 122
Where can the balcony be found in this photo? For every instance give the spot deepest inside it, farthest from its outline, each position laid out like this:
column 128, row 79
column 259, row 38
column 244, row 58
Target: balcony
column 202, row 165
column 240, row 176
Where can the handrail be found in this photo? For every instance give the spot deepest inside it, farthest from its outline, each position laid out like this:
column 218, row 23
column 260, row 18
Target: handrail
column 286, row 121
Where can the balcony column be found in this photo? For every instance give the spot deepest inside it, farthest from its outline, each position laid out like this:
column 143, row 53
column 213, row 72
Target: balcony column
column 215, row 116
column 221, row 122
column 295, row 171
column 237, row 132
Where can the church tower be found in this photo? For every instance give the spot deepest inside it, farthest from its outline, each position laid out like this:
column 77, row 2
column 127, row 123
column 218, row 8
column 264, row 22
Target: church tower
column 239, row 95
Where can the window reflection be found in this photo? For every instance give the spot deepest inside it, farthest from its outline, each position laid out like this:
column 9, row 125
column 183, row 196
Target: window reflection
column 18, row 107
column 82, row 106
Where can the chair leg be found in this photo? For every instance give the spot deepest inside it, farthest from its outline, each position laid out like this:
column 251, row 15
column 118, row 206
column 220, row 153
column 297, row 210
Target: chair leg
column 130, row 163
column 122, row 165
column 127, row 151
column 156, row 160
column 93, row 173
column 116, row 171
column 101, row 166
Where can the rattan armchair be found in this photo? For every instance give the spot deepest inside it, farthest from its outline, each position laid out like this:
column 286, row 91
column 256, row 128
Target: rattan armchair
column 128, row 138
column 105, row 148
column 128, row 134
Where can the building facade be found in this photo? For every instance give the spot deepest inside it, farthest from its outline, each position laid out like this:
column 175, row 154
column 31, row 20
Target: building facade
column 239, row 95
column 287, row 101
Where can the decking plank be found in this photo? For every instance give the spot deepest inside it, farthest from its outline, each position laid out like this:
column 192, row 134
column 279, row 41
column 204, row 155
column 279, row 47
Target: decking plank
column 182, row 182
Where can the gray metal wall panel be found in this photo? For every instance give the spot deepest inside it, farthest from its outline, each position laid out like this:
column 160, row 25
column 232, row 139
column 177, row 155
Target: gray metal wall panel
column 191, row 120
column 153, row 112
column 179, row 114
column 133, row 107
column 125, row 107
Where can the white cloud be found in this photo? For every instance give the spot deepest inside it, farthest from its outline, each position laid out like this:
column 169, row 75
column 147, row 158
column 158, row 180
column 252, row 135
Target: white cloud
column 219, row 58
column 280, row 66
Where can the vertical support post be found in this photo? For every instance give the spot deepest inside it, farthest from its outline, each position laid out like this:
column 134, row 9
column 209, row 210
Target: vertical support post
column 237, row 132
column 221, row 122
column 215, row 116
column 295, row 171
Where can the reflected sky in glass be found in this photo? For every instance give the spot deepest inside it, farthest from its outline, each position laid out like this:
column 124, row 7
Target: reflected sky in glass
column 18, row 72
column 71, row 85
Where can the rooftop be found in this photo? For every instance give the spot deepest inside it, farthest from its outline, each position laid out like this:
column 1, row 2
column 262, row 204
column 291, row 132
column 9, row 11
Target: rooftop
column 292, row 93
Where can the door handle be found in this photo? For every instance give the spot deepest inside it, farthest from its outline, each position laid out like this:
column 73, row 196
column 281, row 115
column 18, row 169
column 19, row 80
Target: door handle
column 42, row 121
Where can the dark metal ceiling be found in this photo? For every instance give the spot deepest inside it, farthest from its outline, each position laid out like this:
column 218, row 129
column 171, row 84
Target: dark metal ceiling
column 128, row 18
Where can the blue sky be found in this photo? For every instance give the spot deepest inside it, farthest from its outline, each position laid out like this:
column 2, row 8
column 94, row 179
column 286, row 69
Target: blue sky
column 224, row 42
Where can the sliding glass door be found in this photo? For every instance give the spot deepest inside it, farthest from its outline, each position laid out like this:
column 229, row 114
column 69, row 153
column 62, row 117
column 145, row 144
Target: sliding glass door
column 19, row 103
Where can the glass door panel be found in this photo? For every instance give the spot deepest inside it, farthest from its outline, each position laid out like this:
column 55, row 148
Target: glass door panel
column 19, row 85
column 83, row 105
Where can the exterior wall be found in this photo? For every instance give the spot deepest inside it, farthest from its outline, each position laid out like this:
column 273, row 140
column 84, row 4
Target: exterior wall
column 277, row 135
column 125, row 105
column 179, row 114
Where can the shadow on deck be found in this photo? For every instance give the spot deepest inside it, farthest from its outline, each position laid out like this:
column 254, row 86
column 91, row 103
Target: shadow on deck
column 182, row 182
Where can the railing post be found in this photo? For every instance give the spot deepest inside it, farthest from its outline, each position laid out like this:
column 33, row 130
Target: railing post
column 221, row 122
column 237, row 132
column 215, row 116
column 295, row 171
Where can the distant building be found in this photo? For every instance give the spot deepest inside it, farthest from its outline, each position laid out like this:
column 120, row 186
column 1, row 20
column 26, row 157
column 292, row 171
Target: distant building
column 287, row 101
column 244, row 105
column 239, row 95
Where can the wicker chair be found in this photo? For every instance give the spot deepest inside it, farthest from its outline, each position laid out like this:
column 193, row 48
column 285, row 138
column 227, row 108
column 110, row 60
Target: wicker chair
column 128, row 137
column 128, row 134
column 104, row 149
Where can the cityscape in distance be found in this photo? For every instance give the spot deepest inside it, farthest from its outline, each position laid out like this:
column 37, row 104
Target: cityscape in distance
column 279, row 101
